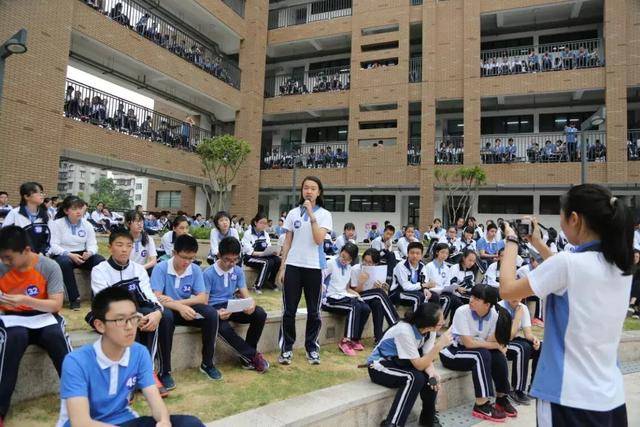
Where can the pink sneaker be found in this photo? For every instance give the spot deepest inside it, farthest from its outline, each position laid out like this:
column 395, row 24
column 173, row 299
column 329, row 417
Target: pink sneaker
column 538, row 322
column 345, row 346
column 357, row 345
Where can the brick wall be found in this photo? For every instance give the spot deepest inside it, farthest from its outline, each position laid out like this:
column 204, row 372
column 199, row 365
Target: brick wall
column 188, row 195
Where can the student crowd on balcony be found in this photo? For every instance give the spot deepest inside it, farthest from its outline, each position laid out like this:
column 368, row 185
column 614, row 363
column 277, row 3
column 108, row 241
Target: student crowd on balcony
column 323, row 83
column 450, row 152
column 323, row 158
column 567, row 59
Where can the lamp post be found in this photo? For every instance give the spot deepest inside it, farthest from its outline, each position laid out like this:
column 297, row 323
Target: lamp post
column 17, row 44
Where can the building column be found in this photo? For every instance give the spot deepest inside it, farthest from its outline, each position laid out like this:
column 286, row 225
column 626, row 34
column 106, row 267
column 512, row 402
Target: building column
column 472, row 108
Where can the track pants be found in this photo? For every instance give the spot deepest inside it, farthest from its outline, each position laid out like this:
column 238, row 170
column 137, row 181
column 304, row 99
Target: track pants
column 357, row 314
column 450, row 303
column 381, row 308
column 150, row 339
column 13, row 344
column 248, row 347
column 520, row 351
column 411, row 298
column 537, row 313
column 553, row 415
column 176, row 421
column 67, row 266
column 209, row 330
column 411, row 383
column 487, row 367
column 267, row 267
column 296, row 281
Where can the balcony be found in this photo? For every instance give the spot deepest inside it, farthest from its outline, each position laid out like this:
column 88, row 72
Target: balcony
column 236, row 5
column 633, row 144
column 449, row 150
column 415, row 70
column 307, row 156
column 414, row 151
column 316, row 81
column 548, row 147
column 102, row 109
column 165, row 34
column 542, row 57
column 308, row 12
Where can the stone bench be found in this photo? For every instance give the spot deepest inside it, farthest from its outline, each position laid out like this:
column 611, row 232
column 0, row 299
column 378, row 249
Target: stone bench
column 38, row 377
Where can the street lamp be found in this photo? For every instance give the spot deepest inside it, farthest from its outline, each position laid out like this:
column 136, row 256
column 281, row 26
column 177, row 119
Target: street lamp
column 16, row 44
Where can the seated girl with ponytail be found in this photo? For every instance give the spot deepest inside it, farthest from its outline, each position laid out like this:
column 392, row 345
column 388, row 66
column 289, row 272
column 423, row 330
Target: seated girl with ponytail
column 255, row 242
column 460, row 281
column 180, row 227
column 144, row 248
column 403, row 359
column 481, row 331
column 221, row 229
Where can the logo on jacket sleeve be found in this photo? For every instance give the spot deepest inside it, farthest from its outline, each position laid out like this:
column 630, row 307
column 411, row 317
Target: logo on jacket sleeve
column 32, row 291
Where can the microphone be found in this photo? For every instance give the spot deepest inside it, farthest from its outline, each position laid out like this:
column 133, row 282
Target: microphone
column 302, row 208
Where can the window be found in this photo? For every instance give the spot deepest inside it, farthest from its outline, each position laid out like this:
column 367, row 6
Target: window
column 334, row 202
column 384, row 142
column 549, row 205
column 511, row 43
column 574, row 35
column 378, row 63
column 455, row 127
column 169, row 199
column 557, row 122
column 138, row 197
column 507, row 124
column 138, row 186
column 505, row 204
column 343, row 63
column 372, row 203
column 388, row 124
column 81, row 186
column 379, row 46
column 378, row 107
column 380, row 30
column 329, row 6
column 327, row 134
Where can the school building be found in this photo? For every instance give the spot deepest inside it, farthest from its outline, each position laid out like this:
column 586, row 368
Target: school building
column 372, row 96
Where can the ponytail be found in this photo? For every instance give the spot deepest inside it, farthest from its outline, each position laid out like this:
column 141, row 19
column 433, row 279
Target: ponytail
column 490, row 295
column 606, row 216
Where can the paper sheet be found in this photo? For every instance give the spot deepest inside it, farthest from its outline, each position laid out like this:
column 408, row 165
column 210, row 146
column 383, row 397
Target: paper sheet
column 31, row 322
column 272, row 250
column 237, row 305
column 377, row 273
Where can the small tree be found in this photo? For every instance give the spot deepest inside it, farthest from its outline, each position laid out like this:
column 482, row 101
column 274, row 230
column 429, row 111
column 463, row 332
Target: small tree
column 107, row 193
column 461, row 188
column 221, row 159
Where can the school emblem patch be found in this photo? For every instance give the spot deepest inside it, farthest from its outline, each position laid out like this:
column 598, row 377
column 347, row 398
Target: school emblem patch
column 297, row 224
column 32, row 291
column 82, row 233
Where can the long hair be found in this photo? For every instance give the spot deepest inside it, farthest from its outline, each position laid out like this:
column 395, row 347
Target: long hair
column 320, row 199
column 131, row 216
column 490, row 295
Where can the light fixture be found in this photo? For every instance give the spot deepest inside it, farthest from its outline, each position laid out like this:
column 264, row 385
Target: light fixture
column 16, row 44
column 597, row 121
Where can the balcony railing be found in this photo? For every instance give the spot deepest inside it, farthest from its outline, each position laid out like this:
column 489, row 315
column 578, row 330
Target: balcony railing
column 323, row 80
column 236, row 5
column 551, row 147
column 415, row 70
column 414, row 151
column 449, row 150
column 88, row 104
column 415, row 2
column 308, row 12
column 308, row 155
column 542, row 57
column 166, row 35
column 633, row 144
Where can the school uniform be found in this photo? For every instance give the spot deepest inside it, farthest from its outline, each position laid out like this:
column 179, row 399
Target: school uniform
column 41, row 280
column 221, row 287
column 4, row 211
column 492, row 275
column 439, row 274
column 36, row 225
column 451, row 298
column 407, row 284
column 68, row 238
column 586, row 299
column 437, row 233
column 339, row 300
column 303, row 273
column 520, row 350
column 488, row 367
column 390, row 366
column 387, row 255
column 134, row 278
column 267, row 266
column 403, row 245
column 379, row 303
column 141, row 253
column 166, row 244
column 109, row 386
column 328, row 247
column 341, row 241
column 214, row 241
column 539, row 305
column 183, row 286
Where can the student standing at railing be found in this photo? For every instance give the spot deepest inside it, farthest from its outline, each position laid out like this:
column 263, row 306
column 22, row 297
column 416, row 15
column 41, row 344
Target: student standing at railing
column 571, row 134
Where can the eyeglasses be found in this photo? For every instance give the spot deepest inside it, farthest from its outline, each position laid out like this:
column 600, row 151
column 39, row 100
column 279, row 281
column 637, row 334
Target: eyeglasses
column 187, row 258
column 132, row 321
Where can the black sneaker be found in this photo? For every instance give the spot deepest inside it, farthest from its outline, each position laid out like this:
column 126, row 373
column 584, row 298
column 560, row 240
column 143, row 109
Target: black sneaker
column 503, row 404
column 285, row 358
column 211, row 372
column 167, row 381
column 520, row 397
column 313, row 357
column 75, row 305
column 434, row 422
column 488, row 412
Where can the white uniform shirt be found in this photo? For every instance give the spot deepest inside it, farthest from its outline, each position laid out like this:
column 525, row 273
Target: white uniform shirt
column 525, row 320
column 458, row 277
column 379, row 245
column 433, row 234
column 339, row 277
column 141, row 253
column 166, row 242
column 438, row 274
column 340, row 242
column 467, row 323
column 403, row 244
column 215, row 237
column 66, row 237
column 304, row 252
column 104, row 275
column 636, row 240
column 461, row 245
column 585, row 307
column 408, row 277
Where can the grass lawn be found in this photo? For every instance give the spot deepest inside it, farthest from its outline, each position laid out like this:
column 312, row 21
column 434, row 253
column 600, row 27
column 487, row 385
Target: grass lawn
column 239, row 390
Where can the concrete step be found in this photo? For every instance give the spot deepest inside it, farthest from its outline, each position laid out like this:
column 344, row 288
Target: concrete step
column 38, row 377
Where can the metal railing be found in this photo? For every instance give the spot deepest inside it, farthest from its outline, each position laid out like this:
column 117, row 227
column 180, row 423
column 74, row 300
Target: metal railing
column 305, row 13
column 449, row 150
column 88, row 104
column 633, row 144
column 415, row 70
column 323, row 80
column 542, row 57
column 308, row 155
column 416, row 2
column 548, row 147
column 414, row 153
column 166, row 35
column 236, row 5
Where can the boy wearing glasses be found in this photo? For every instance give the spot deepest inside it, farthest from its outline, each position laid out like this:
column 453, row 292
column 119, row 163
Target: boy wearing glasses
column 119, row 272
column 178, row 284
column 99, row 379
column 31, row 294
column 222, row 280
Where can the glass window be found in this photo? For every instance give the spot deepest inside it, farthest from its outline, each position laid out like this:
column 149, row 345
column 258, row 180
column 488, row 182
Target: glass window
column 549, row 205
column 389, row 124
column 334, row 202
column 169, row 199
column 372, row 203
column 556, row 122
column 507, row 124
column 505, row 204
column 327, row 134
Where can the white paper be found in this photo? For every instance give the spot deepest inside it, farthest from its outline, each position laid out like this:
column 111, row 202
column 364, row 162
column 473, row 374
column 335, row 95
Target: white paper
column 32, row 322
column 238, row 305
column 271, row 250
column 377, row 273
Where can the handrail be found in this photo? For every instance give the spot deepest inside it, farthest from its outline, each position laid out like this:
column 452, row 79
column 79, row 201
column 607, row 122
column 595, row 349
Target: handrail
column 449, row 150
column 304, row 13
column 311, row 81
column 415, row 69
column 633, row 144
column 307, row 155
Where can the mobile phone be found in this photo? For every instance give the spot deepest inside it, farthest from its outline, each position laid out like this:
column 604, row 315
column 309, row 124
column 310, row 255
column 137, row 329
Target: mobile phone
column 198, row 316
column 433, row 381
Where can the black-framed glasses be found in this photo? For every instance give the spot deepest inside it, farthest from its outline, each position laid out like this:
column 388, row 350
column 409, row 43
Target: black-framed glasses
column 131, row 321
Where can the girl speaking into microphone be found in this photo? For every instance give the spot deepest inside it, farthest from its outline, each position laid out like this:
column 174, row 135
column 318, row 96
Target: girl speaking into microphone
column 303, row 259
column 586, row 292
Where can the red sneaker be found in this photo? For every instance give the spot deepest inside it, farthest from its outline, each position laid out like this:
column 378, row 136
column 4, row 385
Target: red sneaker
column 488, row 412
column 161, row 388
column 357, row 345
column 345, row 346
column 538, row 322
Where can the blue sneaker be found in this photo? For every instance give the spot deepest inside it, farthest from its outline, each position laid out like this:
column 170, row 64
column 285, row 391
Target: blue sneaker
column 167, row 381
column 212, row 372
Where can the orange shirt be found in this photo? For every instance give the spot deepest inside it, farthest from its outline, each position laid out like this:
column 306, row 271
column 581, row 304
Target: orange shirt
column 42, row 277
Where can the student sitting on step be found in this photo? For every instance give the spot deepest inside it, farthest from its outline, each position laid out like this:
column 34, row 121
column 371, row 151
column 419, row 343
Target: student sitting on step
column 348, row 235
column 255, row 242
column 144, row 248
column 223, row 280
column 180, row 227
column 408, row 237
column 179, row 286
column 384, row 245
column 221, row 229
column 31, row 289
column 410, row 286
column 404, row 358
column 98, row 380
